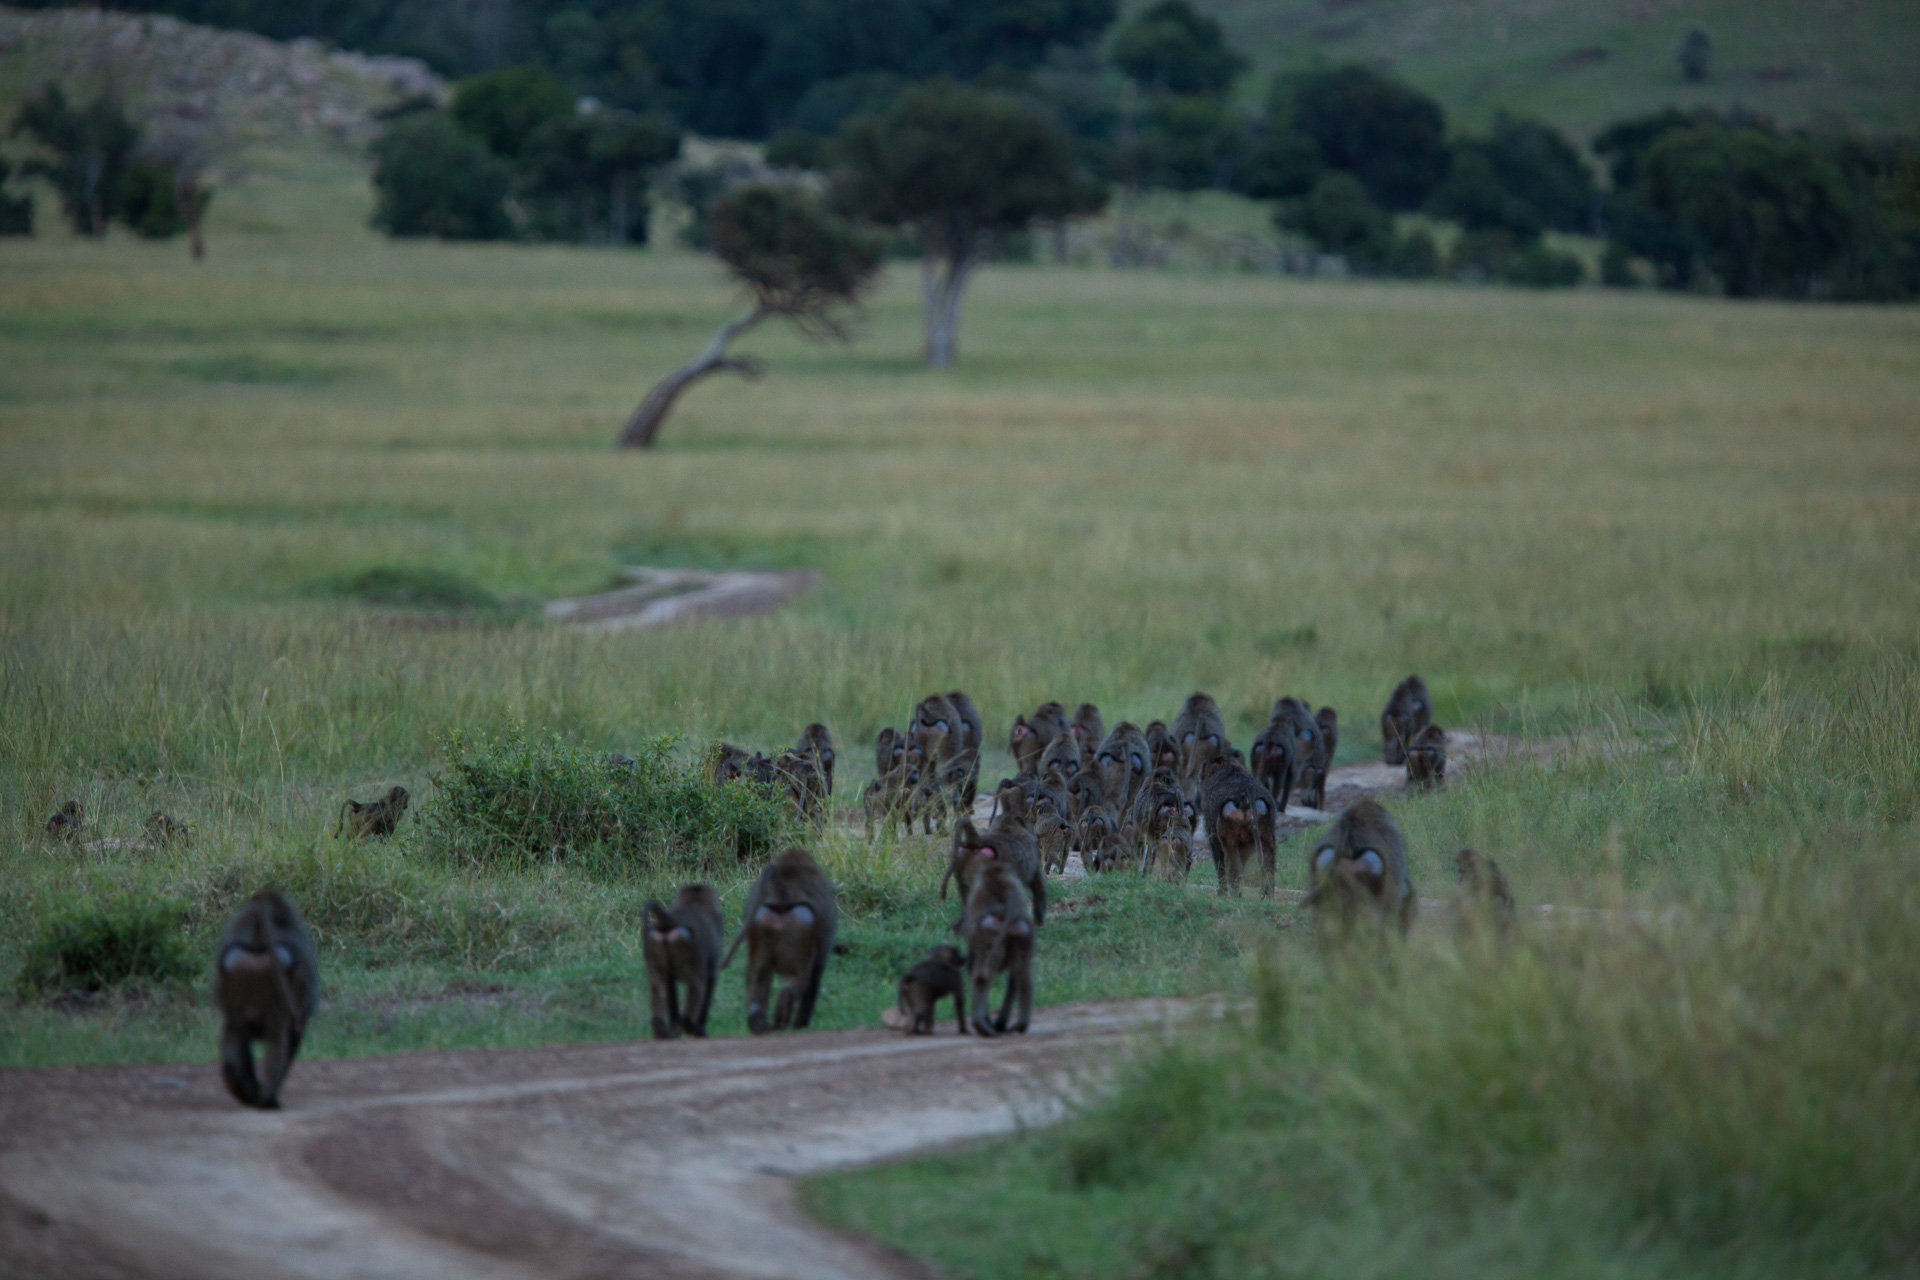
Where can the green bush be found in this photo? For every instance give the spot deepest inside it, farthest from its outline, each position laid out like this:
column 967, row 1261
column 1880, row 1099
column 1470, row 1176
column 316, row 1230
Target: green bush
column 435, row 179
column 518, row 801
column 97, row 945
column 148, row 203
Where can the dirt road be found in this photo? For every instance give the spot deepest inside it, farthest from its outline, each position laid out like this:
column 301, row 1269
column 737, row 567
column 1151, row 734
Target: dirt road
column 657, row 1160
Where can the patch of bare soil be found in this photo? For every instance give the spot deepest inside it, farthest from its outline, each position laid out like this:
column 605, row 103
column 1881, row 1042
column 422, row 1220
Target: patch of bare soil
column 659, row 596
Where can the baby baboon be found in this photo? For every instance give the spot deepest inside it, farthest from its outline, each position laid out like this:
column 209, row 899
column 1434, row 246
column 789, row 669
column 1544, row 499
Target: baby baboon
column 1273, row 759
column 922, row 987
column 806, row 786
column 1201, row 735
column 266, row 984
column 1329, row 721
column 682, row 946
column 729, row 762
column 816, row 739
column 1122, row 764
column 1162, row 751
column 1359, row 870
column 1482, row 893
column 374, row 818
column 1310, row 758
column 999, row 934
column 1408, row 711
column 1427, row 757
column 1005, row 844
column 65, row 824
column 164, row 831
column 788, row 926
column 1088, row 728
column 1240, row 815
column 1097, row 836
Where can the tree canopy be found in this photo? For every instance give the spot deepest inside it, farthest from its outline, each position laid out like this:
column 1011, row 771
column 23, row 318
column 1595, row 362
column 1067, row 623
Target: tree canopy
column 1171, row 47
column 1389, row 136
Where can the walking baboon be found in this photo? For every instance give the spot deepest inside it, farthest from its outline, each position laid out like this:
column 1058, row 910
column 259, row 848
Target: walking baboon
column 816, row 739
column 1083, row 791
column 1427, row 757
column 1163, row 752
column 373, row 818
column 1062, row 756
column 1310, row 758
column 788, row 926
column 729, row 762
column 1359, row 872
column 266, row 985
column 999, row 934
column 889, row 751
column 164, row 831
column 1273, row 759
column 1088, row 727
column 889, row 799
column 1010, row 845
column 1201, row 735
column 1122, row 764
column 1163, row 822
column 682, row 946
column 1025, row 746
column 66, row 822
column 1240, row 815
column 1482, row 893
column 806, row 786
column 1329, row 721
column 922, row 987
column 1409, row 710
column 1097, row 836
column 947, row 730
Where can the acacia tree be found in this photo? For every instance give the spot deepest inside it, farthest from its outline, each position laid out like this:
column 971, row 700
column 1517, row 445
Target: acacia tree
column 961, row 166
column 796, row 260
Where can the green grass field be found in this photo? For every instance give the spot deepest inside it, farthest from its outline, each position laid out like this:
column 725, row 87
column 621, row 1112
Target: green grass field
column 1681, row 533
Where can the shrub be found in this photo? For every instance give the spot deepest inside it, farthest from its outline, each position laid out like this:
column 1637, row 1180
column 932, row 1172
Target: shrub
column 97, row 945
column 518, row 801
column 148, row 202
column 1499, row 256
column 433, row 179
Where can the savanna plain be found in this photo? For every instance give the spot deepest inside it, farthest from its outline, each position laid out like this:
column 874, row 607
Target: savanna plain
column 1678, row 537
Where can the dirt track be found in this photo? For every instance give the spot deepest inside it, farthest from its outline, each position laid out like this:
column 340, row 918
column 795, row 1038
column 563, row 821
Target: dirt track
column 658, row 1160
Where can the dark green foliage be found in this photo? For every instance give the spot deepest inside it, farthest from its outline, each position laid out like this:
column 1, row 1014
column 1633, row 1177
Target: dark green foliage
column 1281, row 165
column 796, row 149
column 148, row 200
column 94, row 946
column 828, row 104
column 1474, row 196
column 1338, row 217
column 1392, row 138
column 1415, row 256
column 432, row 178
column 1190, row 143
column 410, row 587
column 1170, row 47
column 520, row 802
column 1162, row 1112
column 505, row 108
column 84, row 154
column 1616, row 267
column 1524, row 175
column 798, row 259
column 1696, row 56
column 584, row 177
column 1501, row 257
column 16, row 212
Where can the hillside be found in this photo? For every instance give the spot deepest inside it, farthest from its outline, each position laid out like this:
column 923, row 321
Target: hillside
column 1583, row 63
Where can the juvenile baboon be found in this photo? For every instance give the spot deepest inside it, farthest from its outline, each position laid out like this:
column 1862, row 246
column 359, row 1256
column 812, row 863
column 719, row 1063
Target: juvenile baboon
column 1409, row 710
column 1329, row 721
column 889, row 799
column 999, row 934
column 788, row 925
column 374, row 817
column 816, row 739
column 1054, row 837
column 1163, row 822
column 922, row 987
column 266, row 984
column 1482, row 893
column 1097, row 836
column 1163, row 752
column 1122, row 763
column 1087, row 726
column 65, row 824
column 1359, row 872
column 800, row 775
column 1240, row 815
column 164, row 831
column 1310, row 758
column 1201, row 735
column 729, row 762
column 1273, row 759
column 1007, row 845
column 1427, row 757
column 682, row 946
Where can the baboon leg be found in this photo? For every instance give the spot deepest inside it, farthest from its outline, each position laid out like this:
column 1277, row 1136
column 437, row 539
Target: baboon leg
column 983, row 1008
column 759, row 985
column 279, row 1044
column 810, row 993
column 1039, row 887
column 960, row 1009
column 1266, row 868
column 1023, row 973
column 1006, row 1005
column 783, row 1008
column 699, row 1000
column 660, row 1004
column 236, row 1066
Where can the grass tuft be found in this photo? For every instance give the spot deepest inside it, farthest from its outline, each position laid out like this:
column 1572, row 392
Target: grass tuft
column 100, row 945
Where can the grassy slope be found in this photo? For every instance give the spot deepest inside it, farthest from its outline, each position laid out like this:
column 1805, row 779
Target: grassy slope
column 1795, row 59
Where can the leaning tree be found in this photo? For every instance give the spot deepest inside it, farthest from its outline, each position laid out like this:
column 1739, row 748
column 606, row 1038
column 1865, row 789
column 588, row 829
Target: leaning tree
column 962, row 166
column 795, row 258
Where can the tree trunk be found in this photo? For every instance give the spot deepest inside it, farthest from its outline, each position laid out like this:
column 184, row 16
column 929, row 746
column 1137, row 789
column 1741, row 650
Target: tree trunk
column 940, row 293
column 644, row 425
column 187, row 195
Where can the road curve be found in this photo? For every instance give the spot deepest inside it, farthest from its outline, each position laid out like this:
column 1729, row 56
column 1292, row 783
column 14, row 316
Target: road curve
column 642, row 1159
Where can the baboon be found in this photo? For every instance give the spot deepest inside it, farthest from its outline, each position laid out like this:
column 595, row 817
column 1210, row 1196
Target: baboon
column 1088, row 728
column 1097, row 835
column 1273, row 759
column 800, row 774
column 948, row 733
column 1063, row 757
column 1009, row 845
column 1240, row 815
column 1310, row 759
column 1122, row 765
column 926, row 805
column 1201, row 735
column 999, row 934
column 1482, row 893
column 621, row 762
column 788, row 925
column 973, row 731
column 1329, row 721
column 1031, row 735
column 889, row 751
column 682, row 945
column 1163, row 821
column 266, row 984
column 729, row 762
column 1054, row 838
column 1359, row 871
column 66, row 823
column 922, row 987
column 1427, row 757
column 936, row 729
column 816, row 739
column 889, row 798
column 163, row 831
column 1083, row 792
column 1408, row 711
column 373, row 818
column 1163, row 752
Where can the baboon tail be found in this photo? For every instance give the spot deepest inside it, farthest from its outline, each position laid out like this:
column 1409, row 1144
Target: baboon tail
column 656, row 915
column 340, row 821
column 728, row 958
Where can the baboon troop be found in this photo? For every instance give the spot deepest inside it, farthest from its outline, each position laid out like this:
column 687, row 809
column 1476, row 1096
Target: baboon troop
column 788, row 925
column 940, row 976
column 372, row 818
column 266, row 985
column 1359, row 876
column 682, row 948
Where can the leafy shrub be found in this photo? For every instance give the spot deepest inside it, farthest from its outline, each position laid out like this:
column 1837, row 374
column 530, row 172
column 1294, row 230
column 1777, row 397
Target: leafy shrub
column 97, row 945
column 1499, row 256
column 435, row 179
column 516, row 801
column 148, row 202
